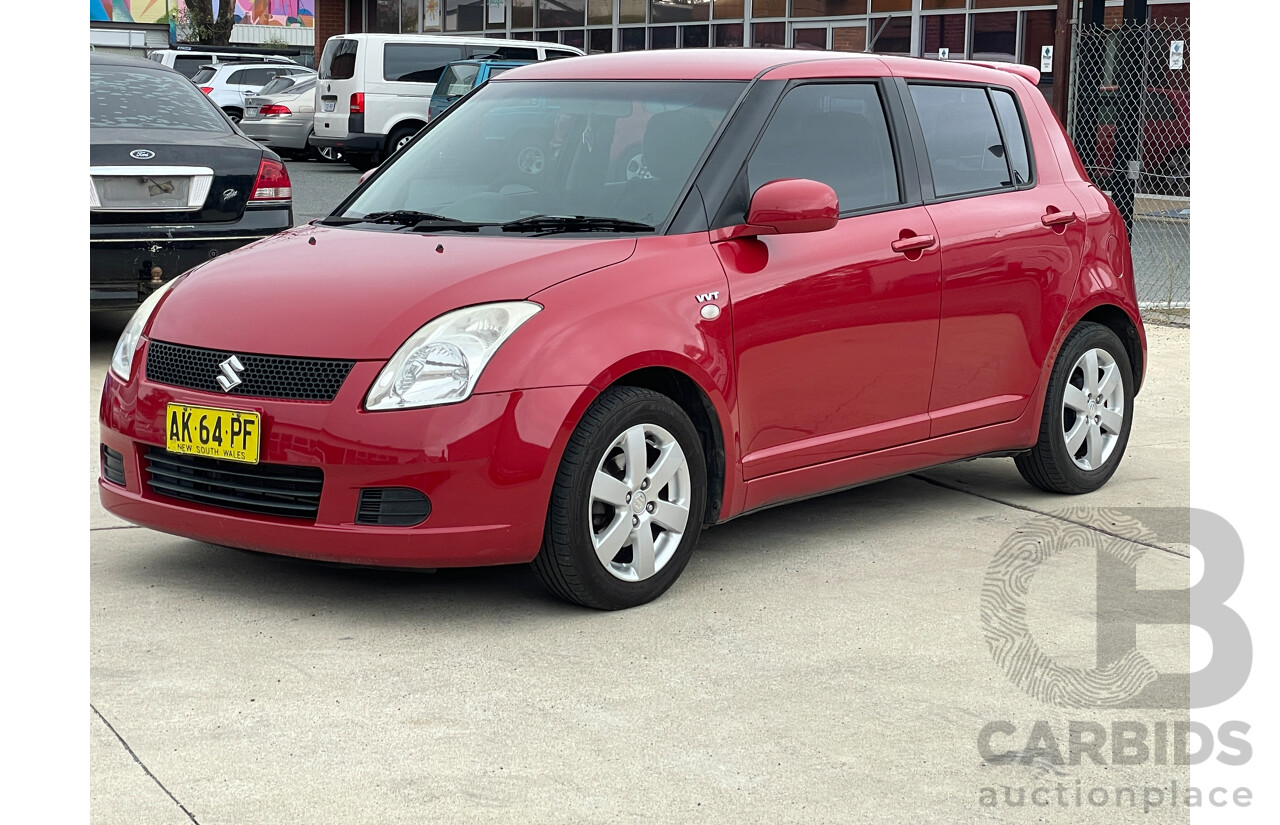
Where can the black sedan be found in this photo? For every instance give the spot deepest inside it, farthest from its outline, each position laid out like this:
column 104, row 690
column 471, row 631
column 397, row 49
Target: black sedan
column 172, row 182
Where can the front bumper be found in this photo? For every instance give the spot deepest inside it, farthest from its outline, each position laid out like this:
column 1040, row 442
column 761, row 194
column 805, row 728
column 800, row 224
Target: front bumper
column 122, row 257
column 487, row 465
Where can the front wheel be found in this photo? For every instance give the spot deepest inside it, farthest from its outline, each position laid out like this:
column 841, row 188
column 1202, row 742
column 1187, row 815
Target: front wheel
column 626, row 509
column 1087, row 415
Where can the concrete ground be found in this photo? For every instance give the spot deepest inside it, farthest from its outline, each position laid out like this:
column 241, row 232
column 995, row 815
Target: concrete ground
column 819, row 662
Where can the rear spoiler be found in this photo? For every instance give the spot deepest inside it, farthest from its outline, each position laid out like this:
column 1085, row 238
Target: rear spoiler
column 1030, row 73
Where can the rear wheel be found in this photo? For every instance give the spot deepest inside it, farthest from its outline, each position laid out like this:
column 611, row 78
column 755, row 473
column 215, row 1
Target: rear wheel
column 360, row 162
column 1087, row 414
column 235, row 114
column 626, row 508
column 401, row 136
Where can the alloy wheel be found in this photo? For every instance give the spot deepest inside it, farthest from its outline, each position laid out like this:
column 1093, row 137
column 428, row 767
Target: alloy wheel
column 1093, row 409
column 639, row 502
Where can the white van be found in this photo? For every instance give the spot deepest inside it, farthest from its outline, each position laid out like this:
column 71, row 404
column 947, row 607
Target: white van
column 375, row 89
column 189, row 62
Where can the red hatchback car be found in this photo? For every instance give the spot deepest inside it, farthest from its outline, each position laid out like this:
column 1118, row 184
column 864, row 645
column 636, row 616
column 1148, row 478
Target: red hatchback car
column 822, row 269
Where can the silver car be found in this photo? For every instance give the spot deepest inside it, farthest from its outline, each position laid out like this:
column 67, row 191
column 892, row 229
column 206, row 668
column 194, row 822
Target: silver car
column 281, row 115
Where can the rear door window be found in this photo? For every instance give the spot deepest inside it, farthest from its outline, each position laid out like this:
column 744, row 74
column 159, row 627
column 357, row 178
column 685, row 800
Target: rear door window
column 417, row 62
column 338, row 62
column 961, row 138
column 203, row 75
column 833, row 133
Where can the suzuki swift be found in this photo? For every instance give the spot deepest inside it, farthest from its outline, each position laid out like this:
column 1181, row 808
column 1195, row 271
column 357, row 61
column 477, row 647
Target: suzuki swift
column 794, row 274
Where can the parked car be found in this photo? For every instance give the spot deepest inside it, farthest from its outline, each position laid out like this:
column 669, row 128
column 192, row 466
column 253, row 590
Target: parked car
column 460, row 77
column 230, row 84
column 172, row 183
column 835, row 269
column 1164, row 118
column 188, row 61
column 375, row 89
column 281, row 116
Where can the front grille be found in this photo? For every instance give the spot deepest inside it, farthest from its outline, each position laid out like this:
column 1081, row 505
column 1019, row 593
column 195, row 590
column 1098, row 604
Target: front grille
column 263, row 376
column 392, row 507
column 112, row 466
column 267, row 489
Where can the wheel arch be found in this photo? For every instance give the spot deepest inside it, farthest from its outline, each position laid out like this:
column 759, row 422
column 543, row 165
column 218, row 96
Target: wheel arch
column 696, row 404
column 1119, row 322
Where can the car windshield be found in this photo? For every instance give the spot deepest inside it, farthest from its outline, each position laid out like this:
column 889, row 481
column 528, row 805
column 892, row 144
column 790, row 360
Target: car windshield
column 122, row 97
column 517, row 149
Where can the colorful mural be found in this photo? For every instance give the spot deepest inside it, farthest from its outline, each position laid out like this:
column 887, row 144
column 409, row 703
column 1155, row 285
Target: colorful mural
column 130, row 11
column 257, row 12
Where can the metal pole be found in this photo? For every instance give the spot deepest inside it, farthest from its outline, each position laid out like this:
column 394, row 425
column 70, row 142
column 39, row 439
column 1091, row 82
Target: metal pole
column 1062, row 58
column 1128, row 144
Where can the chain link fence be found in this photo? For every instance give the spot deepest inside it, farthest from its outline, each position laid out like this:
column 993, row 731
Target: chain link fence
column 1129, row 116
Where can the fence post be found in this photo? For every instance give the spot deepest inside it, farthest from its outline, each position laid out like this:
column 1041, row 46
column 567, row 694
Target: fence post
column 1131, row 77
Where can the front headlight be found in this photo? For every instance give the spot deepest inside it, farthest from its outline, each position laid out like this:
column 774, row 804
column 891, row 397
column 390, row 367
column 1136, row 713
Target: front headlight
column 441, row 363
column 122, row 358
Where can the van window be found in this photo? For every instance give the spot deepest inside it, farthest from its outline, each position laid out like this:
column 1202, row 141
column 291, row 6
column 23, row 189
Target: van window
column 417, row 62
column 188, row 65
column 504, row 53
column 556, row 54
column 961, row 139
column 338, row 62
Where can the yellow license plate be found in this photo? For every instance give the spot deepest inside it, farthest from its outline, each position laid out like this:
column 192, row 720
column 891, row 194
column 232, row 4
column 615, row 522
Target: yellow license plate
column 231, row 435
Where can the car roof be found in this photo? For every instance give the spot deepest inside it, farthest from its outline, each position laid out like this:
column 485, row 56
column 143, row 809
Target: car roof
column 745, row 64
column 105, row 59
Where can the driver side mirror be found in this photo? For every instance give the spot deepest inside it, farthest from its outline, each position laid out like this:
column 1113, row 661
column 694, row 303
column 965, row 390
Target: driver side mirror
column 786, row 207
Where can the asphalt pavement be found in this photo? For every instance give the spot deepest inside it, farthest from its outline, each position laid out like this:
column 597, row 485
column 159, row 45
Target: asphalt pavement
column 319, row 187
column 825, row 661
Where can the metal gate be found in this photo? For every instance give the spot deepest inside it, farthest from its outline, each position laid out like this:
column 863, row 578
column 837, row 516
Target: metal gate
column 1129, row 115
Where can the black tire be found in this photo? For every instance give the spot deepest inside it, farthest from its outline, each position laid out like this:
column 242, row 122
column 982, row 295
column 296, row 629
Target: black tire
column 567, row 562
column 1050, row 465
column 236, row 115
column 400, row 133
column 362, row 163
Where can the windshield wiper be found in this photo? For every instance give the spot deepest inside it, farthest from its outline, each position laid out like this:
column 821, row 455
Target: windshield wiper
column 574, row 223
column 404, row 217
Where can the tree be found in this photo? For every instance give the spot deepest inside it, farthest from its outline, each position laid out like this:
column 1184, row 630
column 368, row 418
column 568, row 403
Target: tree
column 207, row 28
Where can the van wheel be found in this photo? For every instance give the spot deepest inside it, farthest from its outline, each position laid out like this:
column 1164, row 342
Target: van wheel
column 1087, row 415
column 626, row 508
column 362, row 163
column 398, row 138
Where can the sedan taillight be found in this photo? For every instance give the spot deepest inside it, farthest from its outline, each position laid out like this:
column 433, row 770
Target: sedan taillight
column 275, row 109
column 273, row 182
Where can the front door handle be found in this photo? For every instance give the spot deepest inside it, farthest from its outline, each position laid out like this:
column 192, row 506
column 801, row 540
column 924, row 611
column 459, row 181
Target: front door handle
column 1055, row 218
column 915, row 243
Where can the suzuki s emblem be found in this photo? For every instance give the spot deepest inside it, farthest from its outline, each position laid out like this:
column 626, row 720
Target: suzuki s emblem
column 142, row 154
column 230, row 378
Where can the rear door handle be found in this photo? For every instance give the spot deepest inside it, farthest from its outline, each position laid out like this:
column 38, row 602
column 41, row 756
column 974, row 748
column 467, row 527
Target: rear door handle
column 915, row 243
column 1052, row 219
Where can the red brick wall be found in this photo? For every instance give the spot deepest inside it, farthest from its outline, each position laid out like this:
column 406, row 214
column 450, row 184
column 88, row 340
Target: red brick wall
column 330, row 21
